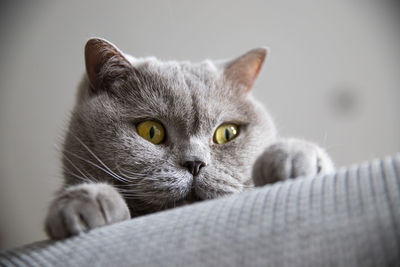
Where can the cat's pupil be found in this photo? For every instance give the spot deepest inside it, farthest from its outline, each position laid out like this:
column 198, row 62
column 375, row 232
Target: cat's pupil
column 227, row 134
column 152, row 132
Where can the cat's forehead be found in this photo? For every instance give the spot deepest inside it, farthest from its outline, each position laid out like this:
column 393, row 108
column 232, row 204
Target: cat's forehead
column 180, row 80
column 205, row 71
column 191, row 95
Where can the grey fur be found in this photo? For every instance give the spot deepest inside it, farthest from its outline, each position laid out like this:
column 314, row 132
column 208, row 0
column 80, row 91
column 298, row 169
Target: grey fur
column 191, row 101
column 288, row 159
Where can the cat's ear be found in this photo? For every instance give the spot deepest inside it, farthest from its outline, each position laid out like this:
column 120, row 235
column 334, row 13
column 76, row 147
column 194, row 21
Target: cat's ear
column 105, row 63
column 243, row 71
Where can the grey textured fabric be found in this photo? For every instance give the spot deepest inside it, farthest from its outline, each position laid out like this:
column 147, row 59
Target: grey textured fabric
column 351, row 218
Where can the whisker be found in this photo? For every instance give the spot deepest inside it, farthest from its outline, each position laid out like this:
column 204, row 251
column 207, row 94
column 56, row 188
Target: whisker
column 96, row 157
column 97, row 166
column 125, row 175
column 132, row 173
column 73, row 165
column 86, row 180
column 143, row 177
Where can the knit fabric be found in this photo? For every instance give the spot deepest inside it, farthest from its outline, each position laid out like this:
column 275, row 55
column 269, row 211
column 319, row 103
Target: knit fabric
column 350, row 218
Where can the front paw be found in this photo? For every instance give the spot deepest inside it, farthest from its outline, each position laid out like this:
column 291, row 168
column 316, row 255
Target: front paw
column 83, row 207
column 287, row 159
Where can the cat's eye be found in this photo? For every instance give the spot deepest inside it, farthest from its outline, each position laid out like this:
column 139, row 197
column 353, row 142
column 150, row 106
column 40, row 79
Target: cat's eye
column 152, row 131
column 225, row 133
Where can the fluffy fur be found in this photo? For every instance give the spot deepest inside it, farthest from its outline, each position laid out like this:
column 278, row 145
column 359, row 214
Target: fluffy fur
column 108, row 165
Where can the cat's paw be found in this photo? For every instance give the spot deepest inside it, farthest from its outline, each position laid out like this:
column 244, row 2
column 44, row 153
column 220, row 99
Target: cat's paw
column 288, row 159
column 83, row 207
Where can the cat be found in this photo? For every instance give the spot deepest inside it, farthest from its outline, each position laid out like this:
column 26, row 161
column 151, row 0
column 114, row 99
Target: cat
column 147, row 135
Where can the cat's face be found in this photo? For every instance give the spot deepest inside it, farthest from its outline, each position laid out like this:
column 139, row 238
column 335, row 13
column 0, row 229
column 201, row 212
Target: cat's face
column 124, row 101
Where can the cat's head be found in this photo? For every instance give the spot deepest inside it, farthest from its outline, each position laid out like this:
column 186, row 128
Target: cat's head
column 166, row 132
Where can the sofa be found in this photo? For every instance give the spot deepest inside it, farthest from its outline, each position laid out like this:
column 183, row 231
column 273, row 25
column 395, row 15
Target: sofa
column 349, row 218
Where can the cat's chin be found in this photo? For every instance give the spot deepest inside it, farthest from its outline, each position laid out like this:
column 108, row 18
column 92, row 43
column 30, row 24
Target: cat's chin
column 190, row 198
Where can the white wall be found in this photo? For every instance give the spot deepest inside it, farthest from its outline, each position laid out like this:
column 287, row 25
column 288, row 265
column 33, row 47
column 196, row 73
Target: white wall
column 332, row 77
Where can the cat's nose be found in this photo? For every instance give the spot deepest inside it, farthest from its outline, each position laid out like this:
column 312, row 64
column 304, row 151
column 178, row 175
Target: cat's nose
column 194, row 166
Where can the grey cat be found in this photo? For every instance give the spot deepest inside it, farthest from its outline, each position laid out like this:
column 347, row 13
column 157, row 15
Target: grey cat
column 147, row 135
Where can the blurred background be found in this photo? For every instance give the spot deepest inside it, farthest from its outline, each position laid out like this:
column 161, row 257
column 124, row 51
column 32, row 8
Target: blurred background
column 333, row 77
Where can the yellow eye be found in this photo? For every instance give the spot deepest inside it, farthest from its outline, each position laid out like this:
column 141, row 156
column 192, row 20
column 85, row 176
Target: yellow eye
column 225, row 133
column 152, row 131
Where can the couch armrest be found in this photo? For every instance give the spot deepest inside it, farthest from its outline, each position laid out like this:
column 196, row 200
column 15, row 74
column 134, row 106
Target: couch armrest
column 350, row 218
